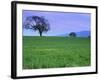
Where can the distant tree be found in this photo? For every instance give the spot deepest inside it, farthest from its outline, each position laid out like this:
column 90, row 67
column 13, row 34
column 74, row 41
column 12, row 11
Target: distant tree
column 37, row 23
column 72, row 34
column 89, row 36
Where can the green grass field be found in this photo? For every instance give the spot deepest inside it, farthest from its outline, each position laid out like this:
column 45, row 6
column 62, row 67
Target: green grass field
column 55, row 52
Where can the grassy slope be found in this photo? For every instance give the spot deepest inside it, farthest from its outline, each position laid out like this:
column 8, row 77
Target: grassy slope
column 50, row 52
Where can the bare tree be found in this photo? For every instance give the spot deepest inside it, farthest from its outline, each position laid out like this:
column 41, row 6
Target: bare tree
column 37, row 23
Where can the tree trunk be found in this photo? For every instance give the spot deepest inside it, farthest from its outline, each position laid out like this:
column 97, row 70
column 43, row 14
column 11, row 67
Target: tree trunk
column 40, row 32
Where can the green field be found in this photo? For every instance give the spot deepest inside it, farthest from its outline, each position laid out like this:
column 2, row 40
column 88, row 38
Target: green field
column 55, row 52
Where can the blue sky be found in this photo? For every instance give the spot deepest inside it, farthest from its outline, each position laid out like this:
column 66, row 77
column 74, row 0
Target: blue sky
column 60, row 22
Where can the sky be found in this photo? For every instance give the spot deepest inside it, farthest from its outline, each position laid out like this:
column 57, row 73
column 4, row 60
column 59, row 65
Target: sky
column 60, row 22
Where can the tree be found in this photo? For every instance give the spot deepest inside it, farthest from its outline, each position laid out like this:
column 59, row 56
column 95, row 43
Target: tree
column 37, row 23
column 72, row 34
column 89, row 36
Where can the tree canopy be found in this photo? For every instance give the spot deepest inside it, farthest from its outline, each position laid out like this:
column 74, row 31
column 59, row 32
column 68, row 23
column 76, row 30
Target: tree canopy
column 72, row 34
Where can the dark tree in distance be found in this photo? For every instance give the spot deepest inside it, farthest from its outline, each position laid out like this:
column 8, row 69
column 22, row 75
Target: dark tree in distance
column 89, row 36
column 37, row 23
column 72, row 34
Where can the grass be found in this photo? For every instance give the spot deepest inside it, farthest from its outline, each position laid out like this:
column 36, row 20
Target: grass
column 55, row 52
